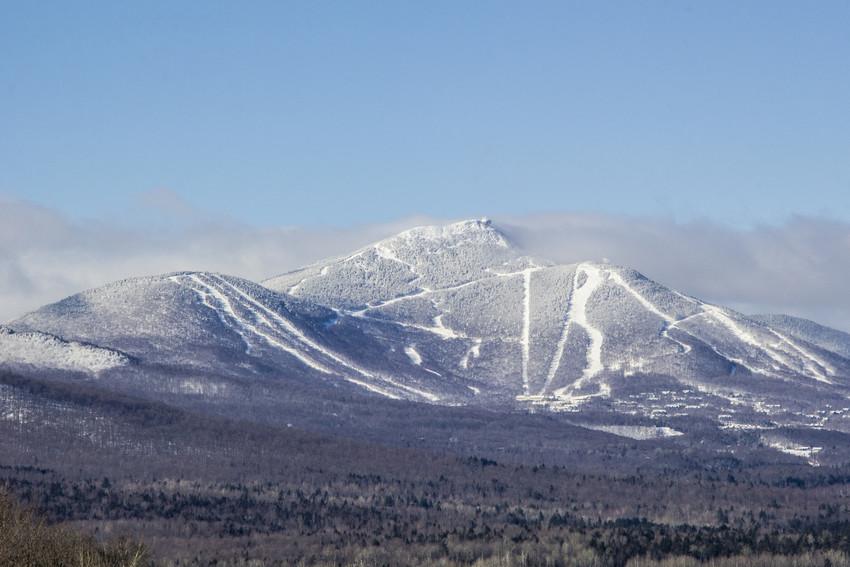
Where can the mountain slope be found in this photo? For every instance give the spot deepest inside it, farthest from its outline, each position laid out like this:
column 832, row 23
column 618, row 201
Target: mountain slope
column 213, row 322
column 809, row 331
column 45, row 351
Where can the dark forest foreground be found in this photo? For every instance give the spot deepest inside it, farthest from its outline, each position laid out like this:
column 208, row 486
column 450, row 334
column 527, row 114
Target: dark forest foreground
column 446, row 512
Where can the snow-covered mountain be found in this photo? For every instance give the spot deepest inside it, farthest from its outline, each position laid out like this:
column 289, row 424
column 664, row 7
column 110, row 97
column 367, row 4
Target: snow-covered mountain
column 561, row 335
column 455, row 315
column 222, row 324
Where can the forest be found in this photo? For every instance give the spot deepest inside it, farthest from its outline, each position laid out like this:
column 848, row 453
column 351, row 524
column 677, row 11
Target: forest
column 109, row 473
column 466, row 512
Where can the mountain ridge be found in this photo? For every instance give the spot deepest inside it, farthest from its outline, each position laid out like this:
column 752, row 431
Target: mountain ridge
column 459, row 315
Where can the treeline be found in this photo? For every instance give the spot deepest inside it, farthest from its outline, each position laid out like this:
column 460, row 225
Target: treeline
column 504, row 516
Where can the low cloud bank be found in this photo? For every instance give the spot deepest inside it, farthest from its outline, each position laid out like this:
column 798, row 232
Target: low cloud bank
column 800, row 267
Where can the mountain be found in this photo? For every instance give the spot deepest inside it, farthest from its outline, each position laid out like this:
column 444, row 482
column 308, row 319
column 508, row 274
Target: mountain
column 565, row 335
column 203, row 322
column 453, row 315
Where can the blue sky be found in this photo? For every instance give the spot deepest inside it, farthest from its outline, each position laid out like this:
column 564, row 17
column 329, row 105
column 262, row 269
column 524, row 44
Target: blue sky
column 339, row 113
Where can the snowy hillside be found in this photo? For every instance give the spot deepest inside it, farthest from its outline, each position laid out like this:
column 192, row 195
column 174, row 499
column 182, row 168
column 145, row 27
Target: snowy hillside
column 40, row 350
column 224, row 324
column 824, row 337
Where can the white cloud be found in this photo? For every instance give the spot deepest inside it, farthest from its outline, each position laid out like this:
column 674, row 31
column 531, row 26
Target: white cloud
column 45, row 256
column 800, row 267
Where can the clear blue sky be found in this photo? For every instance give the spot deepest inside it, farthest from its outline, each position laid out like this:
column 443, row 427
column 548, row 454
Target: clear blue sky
column 344, row 112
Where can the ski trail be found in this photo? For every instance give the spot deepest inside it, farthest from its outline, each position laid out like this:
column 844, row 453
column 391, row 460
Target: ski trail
column 416, row 295
column 675, row 325
column 440, row 328
column 748, row 338
column 205, row 299
column 247, row 305
column 555, row 365
column 817, row 367
column 525, row 339
column 291, row 328
column 387, row 253
column 526, row 327
column 413, row 355
column 594, row 365
column 441, row 331
column 392, row 301
column 581, row 297
column 473, row 352
column 294, row 288
column 618, row 279
column 738, row 361
column 255, row 329
column 720, row 315
column 669, row 322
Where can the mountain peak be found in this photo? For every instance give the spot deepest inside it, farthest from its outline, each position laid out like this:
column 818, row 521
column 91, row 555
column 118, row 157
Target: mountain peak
column 471, row 231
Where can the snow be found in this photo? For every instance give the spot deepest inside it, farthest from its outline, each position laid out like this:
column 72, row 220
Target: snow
column 291, row 328
column 469, row 305
column 525, row 340
column 809, row 332
column 386, row 250
column 472, row 353
column 413, row 355
column 480, row 230
column 231, row 302
column 205, row 294
column 670, row 321
column 242, row 325
column 466, row 291
column 790, row 448
column 201, row 387
column 46, row 351
column 581, row 298
column 440, row 329
column 293, row 290
column 816, row 366
column 579, row 310
column 780, row 359
column 427, row 257
column 638, row 432
column 562, row 341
